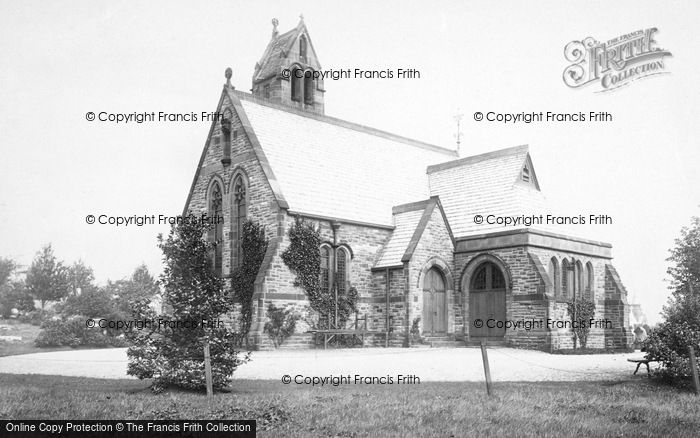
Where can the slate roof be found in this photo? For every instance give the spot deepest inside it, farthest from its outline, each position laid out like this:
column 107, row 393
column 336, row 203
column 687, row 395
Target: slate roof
column 486, row 184
column 332, row 168
column 272, row 60
column 406, row 224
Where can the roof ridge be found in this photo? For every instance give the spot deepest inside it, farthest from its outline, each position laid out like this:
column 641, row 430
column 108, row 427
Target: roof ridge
column 344, row 123
column 478, row 158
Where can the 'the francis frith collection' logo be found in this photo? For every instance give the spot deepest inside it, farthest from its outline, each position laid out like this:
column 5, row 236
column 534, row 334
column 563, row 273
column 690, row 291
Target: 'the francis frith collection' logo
column 616, row 62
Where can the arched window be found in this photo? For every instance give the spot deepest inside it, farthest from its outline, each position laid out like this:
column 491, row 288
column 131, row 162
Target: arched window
column 566, row 286
column 488, row 277
column 302, row 48
column 297, row 84
column 216, row 231
column 342, row 270
column 555, row 275
column 589, row 281
column 335, row 269
column 239, row 215
column 309, row 87
column 578, row 274
column 325, row 268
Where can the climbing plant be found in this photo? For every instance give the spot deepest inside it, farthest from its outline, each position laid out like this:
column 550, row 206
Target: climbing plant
column 253, row 248
column 303, row 258
column 581, row 312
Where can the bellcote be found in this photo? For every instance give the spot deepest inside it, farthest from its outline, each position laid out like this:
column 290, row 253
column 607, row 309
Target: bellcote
column 287, row 73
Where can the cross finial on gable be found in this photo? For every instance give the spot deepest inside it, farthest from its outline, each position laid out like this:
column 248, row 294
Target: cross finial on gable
column 228, row 73
column 301, row 17
column 275, row 22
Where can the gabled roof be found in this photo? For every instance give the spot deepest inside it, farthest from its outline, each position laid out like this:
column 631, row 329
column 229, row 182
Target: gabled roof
column 332, row 168
column 486, row 184
column 274, row 58
column 405, row 225
column 410, row 220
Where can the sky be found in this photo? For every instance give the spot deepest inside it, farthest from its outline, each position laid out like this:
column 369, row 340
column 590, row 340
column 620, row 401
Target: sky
column 62, row 59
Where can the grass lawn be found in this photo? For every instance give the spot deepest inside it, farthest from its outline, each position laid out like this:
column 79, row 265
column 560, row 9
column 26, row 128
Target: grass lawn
column 632, row 408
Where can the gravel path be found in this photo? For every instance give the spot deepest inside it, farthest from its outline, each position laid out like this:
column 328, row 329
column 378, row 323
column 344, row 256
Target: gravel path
column 428, row 364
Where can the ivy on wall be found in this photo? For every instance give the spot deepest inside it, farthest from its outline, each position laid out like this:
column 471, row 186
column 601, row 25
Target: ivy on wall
column 303, row 258
column 253, row 248
column 581, row 312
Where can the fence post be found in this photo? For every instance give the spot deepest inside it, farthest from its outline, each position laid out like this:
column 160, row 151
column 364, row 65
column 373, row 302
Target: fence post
column 694, row 370
column 207, row 369
column 487, row 370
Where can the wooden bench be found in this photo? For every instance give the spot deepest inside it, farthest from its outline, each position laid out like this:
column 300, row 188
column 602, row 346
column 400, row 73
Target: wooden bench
column 358, row 331
column 639, row 362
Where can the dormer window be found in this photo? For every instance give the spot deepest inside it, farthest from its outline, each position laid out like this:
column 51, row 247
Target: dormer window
column 526, row 174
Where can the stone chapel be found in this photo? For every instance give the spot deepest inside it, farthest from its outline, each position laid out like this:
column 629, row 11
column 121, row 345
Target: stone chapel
column 403, row 235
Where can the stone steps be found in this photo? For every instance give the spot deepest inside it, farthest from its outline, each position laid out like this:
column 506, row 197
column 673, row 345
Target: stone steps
column 443, row 341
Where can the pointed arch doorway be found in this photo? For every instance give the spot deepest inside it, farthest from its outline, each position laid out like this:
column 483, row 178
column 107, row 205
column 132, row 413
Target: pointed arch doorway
column 487, row 302
column 434, row 303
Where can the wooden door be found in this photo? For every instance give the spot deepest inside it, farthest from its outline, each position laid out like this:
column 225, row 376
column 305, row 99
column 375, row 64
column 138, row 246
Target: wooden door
column 487, row 302
column 434, row 303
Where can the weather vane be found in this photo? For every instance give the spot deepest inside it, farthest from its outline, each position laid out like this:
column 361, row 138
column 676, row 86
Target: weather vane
column 458, row 118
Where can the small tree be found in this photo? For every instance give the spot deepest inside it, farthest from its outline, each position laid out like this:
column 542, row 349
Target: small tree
column 7, row 267
column 175, row 356
column 13, row 294
column 81, row 277
column 140, row 286
column 47, row 278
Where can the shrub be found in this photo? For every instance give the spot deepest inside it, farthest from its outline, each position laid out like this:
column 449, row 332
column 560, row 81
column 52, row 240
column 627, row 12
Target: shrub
column 192, row 292
column 37, row 316
column 415, row 331
column 580, row 313
column 669, row 345
column 58, row 333
column 303, row 258
column 253, row 248
column 72, row 332
column 281, row 324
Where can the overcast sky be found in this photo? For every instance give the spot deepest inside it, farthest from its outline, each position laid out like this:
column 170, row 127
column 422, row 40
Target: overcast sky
column 61, row 59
